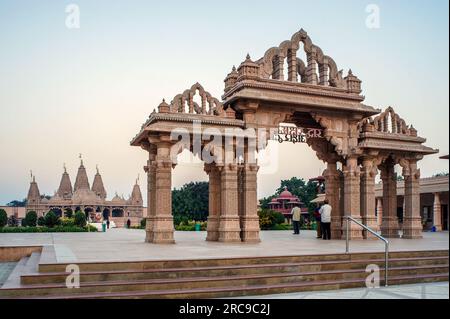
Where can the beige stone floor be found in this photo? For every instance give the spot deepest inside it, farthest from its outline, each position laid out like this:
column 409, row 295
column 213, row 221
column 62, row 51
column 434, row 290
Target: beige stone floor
column 129, row 245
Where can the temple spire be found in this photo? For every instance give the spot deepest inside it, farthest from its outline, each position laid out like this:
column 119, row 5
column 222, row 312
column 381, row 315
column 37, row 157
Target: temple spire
column 136, row 195
column 82, row 181
column 65, row 186
column 34, row 196
column 98, row 187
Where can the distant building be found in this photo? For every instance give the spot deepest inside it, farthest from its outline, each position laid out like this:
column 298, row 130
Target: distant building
column 18, row 212
column 92, row 201
column 433, row 202
column 285, row 202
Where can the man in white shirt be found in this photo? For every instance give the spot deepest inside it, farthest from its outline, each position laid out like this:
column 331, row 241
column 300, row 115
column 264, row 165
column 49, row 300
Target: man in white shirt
column 296, row 217
column 325, row 214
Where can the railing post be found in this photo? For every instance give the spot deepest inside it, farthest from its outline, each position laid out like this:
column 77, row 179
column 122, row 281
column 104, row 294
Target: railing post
column 347, row 244
column 386, row 264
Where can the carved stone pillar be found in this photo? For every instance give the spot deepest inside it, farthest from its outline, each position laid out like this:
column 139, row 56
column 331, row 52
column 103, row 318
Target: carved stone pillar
column 437, row 212
column 311, row 74
column 292, row 65
column 369, row 172
column 389, row 226
column 331, row 175
column 352, row 202
column 323, row 74
column 249, row 218
column 214, row 202
column 150, row 169
column 379, row 211
column 162, row 221
column 412, row 222
column 229, row 225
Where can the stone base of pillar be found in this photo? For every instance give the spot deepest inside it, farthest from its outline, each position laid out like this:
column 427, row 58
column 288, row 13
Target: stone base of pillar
column 250, row 230
column 390, row 228
column 372, row 223
column 161, row 231
column 412, row 228
column 148, row 230
column 336, row 228
column 229, row 230
column 355, row 231
column 212, row 229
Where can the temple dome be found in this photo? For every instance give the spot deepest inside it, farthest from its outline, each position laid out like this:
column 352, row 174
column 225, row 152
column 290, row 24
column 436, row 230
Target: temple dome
column 286, row 194
column 55, row 199
column 86, row 196
column 118, row 200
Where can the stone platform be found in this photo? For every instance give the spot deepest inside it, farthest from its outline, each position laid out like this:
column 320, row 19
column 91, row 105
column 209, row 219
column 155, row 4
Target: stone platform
column 118, row 245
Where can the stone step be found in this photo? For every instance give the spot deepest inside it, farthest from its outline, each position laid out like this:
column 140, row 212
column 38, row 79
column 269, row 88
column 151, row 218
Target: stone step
column 164, row 264
column 233, row 291
column 13, row 280
column 210, row 282
column 60, row 277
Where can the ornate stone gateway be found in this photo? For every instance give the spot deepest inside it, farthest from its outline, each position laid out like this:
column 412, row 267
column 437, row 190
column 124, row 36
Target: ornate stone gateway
column 355, row 140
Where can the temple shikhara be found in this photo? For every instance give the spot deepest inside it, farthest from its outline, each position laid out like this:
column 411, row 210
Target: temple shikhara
column 91, row 201
column 358, row 143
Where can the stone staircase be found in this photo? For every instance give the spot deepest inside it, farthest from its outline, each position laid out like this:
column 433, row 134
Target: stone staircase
column 215, row 278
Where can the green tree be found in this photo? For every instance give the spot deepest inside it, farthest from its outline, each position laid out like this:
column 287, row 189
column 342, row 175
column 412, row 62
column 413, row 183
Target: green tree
column 3, row 218
column 17, row 203
column 30, row 219
column 191, row 202
column 51, row 220
column 80, row 219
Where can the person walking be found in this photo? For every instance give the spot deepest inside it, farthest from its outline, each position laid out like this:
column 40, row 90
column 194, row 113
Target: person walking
column 318, row 219
column 325, row 214
column 296, row 216
column 107, row 223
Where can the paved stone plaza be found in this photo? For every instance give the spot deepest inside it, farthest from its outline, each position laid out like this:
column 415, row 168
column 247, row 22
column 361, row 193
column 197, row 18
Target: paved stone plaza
column 437, row 290
column 129, row 245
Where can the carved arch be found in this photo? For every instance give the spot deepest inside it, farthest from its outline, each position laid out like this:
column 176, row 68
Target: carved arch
column 209, row 104
column 326, row 64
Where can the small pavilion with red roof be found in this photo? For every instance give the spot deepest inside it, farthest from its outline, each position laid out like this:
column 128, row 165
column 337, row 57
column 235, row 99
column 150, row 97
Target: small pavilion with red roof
column 285, row 202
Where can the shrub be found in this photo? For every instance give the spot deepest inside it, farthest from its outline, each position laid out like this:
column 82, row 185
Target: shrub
column 143, row 223
column 282, row 227
column 268, row 219
column 278, row 218
column 30, row 219
column 44, row 229
column 51, row 220
column 80, row 219
column 68, row 222
column 190, row 226
column 3, row 218
column 41, row 221
column 68, row 214
column 12, row 221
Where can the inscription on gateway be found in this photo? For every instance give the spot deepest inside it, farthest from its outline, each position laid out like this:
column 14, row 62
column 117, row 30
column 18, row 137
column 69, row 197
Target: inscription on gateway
column 292, row 134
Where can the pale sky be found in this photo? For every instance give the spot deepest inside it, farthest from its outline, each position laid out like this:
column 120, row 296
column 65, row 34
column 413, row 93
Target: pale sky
column 88, row 90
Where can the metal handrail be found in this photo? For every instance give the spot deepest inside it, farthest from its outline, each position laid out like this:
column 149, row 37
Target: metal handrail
column 386, row 243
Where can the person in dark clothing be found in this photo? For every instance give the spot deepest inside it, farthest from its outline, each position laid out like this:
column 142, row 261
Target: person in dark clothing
column 128, row 224
column 107, row 223
column 318, row 219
